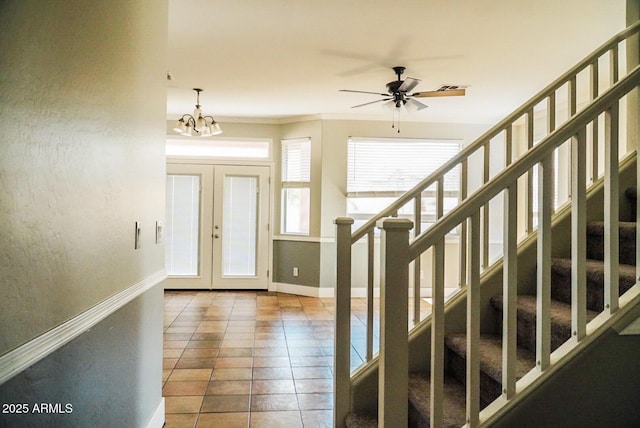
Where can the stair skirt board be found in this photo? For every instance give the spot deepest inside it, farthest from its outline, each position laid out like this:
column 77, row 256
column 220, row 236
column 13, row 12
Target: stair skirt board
column 490, row 345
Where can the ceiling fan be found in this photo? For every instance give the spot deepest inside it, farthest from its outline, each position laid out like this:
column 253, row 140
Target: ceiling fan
column 399, row 92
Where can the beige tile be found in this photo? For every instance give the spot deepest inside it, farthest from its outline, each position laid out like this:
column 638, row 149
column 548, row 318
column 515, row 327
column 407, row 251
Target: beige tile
column 184, row 388
column 200, row 344
column 226, row 420
column 183, row 404
column 172, row 353
column 271, row 352
column 169, row 363
column 231, row 374
column 222, row 362
column 195, row 363
column 225, row 403
column 200, row 353
column 271, row 402
column 271, row 362
column 308, row 362
column 229, row 387
column 207, row 336
column 238, row 336
column 190, row 374
column 281, row 386
column 317, row 418
column 267, row 373
column 278, row 419
column 178, row 420
column 270, row 343
column 307, row 386
column 315, row 401
column 311, row 373
column 237, row 344
column 235, row 352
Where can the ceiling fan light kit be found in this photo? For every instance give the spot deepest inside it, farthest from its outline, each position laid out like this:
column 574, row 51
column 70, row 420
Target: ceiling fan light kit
column 197, row 124
column 399, row 94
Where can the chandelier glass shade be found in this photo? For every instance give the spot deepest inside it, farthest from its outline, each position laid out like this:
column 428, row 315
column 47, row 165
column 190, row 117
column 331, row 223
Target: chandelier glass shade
column 197, row 124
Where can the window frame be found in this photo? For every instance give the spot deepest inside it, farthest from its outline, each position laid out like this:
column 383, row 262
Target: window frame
column 303, row 182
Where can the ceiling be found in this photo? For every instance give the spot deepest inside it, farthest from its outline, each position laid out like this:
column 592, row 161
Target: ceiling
column 277, row 60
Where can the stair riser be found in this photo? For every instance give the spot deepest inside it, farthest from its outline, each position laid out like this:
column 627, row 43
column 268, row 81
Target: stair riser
column 561, row 287
column 527, row 333
column 627, row 244
column 457, row 367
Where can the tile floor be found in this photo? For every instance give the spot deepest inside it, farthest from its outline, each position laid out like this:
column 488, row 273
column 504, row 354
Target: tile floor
column 251, row 359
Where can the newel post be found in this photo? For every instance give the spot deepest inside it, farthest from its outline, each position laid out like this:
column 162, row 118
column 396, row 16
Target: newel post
column 342, row 341
column 393, row 380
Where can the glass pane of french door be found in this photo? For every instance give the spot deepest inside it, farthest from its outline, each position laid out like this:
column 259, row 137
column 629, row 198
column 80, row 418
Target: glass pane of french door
column 239, row 226
column 182, row 223
column 187, row 231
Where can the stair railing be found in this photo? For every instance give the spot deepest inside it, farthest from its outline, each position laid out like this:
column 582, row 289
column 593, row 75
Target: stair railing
column 541, row 157
column 472, row 216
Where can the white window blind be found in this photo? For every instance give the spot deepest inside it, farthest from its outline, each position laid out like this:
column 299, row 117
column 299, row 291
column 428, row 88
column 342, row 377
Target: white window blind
column 296, row 160
column 396, row 165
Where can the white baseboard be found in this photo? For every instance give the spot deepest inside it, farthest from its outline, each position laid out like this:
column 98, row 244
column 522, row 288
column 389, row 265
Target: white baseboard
column 424, row 292
column 325, row 292
column 26, row 355
column 301, row 290
column 157, row 420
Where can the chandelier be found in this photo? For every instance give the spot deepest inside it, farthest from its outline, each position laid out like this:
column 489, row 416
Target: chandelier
column 197, row 124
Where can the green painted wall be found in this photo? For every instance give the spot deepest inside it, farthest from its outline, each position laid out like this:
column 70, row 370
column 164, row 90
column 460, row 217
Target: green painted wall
column 301, row 254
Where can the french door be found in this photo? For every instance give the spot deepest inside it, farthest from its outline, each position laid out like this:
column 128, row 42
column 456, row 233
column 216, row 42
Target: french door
column 217, row 223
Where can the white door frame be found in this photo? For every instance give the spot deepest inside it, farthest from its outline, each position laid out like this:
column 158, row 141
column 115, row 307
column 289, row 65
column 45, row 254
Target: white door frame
column 205, row 280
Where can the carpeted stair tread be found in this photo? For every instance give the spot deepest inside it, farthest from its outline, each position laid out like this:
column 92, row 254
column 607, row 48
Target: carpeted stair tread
column 561, row 283
column 454, row 406
column 560, row 320
column 627, row 243
column 355, row 420
column 560, row 312
column 491, row 355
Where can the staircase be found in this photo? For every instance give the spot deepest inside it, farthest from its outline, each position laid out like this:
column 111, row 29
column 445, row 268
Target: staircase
column 479, row 354
column 491, row 344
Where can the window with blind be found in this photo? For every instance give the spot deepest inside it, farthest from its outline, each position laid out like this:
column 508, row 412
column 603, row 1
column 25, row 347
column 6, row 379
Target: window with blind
column 379, row 170
column 296, row 186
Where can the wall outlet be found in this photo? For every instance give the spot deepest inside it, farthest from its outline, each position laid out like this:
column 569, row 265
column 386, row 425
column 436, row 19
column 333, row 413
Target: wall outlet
column 295, row 271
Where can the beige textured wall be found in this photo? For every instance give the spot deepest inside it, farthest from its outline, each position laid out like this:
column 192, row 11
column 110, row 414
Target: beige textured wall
column 82, row 102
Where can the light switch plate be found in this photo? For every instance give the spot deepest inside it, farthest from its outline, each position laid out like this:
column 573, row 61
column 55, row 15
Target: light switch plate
column 137, row 236
column 159, row 232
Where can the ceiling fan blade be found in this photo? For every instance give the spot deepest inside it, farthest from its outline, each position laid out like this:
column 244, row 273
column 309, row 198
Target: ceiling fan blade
column 417, row 104
column 372, row 102
column 363, row 92
column 443, row 93
column 408, row 84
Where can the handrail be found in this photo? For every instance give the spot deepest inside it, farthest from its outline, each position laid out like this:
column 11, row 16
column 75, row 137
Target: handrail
column 480, row 142
column 501, row 181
